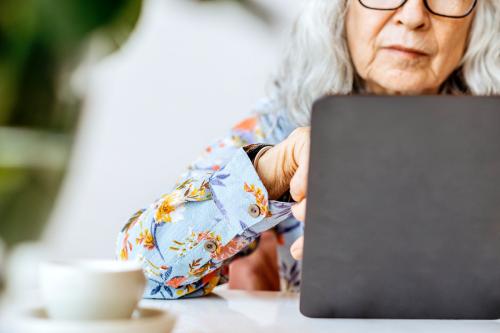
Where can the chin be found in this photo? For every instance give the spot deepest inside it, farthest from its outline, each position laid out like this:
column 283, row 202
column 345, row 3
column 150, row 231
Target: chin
column 404, row 82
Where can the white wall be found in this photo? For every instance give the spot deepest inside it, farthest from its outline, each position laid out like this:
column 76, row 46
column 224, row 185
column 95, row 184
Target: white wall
column 190, row 70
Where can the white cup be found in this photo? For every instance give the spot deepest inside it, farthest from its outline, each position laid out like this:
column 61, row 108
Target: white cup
column 91, row 289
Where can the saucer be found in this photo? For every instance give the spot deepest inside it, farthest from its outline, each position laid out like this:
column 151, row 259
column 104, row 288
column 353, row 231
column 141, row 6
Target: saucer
column 143, row 320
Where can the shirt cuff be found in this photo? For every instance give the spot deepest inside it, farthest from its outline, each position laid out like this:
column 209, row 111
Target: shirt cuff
column 242, row 199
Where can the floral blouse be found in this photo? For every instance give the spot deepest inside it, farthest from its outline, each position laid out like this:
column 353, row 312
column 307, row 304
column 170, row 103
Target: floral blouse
column 216, row 212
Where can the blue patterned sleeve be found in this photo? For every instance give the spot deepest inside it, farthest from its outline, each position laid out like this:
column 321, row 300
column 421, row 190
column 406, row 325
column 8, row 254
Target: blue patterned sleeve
column 218, row 208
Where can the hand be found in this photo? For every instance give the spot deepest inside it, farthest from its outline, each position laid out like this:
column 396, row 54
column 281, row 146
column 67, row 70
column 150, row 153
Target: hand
column 299, row 211
column 285, row 166
column 259, row 270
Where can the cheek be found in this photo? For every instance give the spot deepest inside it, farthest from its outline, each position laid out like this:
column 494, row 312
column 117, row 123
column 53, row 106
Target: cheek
column 451, row 42
column 362, row 31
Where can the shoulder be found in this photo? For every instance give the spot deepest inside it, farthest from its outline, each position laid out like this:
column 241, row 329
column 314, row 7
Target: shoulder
column 267, row 123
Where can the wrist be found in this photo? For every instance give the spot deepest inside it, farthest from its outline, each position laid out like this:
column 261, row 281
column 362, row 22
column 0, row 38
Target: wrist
column 259, row 155
column 270, row 172
column 269, row 163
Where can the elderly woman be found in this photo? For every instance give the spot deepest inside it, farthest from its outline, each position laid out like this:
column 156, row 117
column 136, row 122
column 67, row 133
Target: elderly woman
column 254, row 179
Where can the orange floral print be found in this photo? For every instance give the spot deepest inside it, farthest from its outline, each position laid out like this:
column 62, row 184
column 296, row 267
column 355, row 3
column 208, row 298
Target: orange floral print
column 193, row 240
column 234, row 246
column 192, row 192
column 175, row 282
column 126, row 246
column 170, row 208
column 189, row 259
column 247, row 124
column 260, row 198
column 146, row 238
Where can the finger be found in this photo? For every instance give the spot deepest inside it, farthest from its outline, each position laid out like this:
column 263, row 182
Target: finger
column 299, row 210
column 298, row 183
column 296, row 250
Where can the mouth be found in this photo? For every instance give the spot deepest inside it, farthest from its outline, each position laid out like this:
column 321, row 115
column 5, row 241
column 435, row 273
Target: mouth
column 406, row 51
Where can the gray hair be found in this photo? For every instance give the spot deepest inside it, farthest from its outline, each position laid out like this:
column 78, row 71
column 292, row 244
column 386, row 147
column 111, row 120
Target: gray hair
column 317, row 60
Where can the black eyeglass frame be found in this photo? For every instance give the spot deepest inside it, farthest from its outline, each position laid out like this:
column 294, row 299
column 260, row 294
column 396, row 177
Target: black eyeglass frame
column 426, row 6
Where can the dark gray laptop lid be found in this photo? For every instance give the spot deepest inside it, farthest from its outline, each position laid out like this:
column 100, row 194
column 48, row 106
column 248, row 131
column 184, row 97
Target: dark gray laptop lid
column 403, row 215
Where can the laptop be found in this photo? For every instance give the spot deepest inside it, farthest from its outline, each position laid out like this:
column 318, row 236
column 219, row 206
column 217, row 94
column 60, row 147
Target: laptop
column 403, row 214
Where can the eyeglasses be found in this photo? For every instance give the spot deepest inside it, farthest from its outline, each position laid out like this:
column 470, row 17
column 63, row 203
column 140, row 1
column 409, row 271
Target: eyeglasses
column 446, row 8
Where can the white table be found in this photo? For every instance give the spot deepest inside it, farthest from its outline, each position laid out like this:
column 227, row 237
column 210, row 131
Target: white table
column 241, row 311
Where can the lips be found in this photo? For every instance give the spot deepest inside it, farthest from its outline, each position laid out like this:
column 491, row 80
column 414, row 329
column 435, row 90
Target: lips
column 407, row 50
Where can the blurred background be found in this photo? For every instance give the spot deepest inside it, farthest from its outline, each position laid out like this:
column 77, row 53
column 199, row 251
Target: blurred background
column 104, row 103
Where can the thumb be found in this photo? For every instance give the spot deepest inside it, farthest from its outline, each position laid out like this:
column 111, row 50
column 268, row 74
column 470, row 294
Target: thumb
column 296, row 250
column 299, row 210
column 298, row 183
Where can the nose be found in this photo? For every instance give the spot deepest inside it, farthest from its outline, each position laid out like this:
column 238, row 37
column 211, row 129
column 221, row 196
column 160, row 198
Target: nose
column 413, row 15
